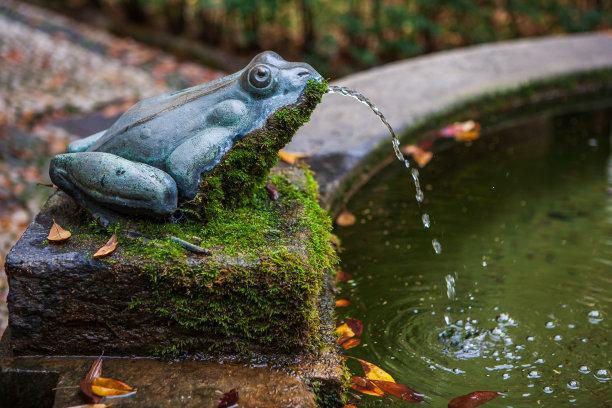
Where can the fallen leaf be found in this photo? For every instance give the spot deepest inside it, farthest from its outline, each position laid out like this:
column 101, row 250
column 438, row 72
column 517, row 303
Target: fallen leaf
column 91, row 406
column 365, row 386
column 400, row 391
column 351, row 328
column 291, row 158
column 342, row 302
column 462, row 131
column 107, row 387
column 108, row 248
column 94, row 372
column 374, row 372
column 421, row 156
column 273, row 193
column 343, row 276
column 350, row 406
column 350, row 343
column 346, row 219
column 473, row 399
column 228, row 399
column 57, row 233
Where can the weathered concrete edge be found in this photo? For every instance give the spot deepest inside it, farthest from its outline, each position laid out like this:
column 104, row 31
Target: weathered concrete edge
column 346, row 143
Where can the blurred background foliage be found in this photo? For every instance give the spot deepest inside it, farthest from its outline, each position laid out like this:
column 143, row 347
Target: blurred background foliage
column 343, row 36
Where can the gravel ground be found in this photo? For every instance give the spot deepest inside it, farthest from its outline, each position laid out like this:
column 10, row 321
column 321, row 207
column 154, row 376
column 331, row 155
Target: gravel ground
column 54, row 69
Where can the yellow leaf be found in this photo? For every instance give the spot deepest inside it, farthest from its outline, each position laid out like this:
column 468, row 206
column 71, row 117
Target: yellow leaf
column 350, row 343
column 291, row 158
column 374, row 372
column 345, row 219
column 57, row 233
column 107, row 387
column 108, row 248
column 345, row 333
column 365, row 386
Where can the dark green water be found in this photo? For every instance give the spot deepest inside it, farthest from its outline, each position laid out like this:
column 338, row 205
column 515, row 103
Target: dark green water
column 524, row 219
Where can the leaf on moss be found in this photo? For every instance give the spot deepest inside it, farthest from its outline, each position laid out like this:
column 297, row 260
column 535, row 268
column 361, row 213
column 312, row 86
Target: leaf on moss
column 473, row 399
column 273, row 193
column 346, row 219
column 85, row 384
column 342, row 302
column 108, row 248
column 365, row 386
column 291, row 158
column 107, row 387
column 350, row 343
column 228, row 399
column 400, row 391
column 57, row 233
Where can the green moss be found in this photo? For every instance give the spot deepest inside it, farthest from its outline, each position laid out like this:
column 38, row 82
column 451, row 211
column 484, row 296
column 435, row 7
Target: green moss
column 232, row 182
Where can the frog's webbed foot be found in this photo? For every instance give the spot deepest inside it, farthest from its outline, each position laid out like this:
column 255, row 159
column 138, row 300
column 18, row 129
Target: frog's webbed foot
column 104, row 181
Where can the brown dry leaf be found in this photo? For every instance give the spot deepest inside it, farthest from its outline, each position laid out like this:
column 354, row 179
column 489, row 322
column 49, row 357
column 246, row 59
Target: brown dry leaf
column 108, row 248
column 365, row 386
column 57, row 233
column 462, row 131
column 350, row 343
column 400, row 391
column 473, row 399
column 346, row 219
column 91, row 406
column 351, row 328
column 107, row 387
column 342, row 302
column 228, row 399
column 343, row 276
column 94, row 372
column 374, row 372
column 421, row 156
column 291, row 158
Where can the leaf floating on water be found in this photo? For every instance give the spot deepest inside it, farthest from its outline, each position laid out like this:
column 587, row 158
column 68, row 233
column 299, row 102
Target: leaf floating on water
column 343, row 276
column 473, row 399
column 57, row 233
column 350, row 343
column 421, row 156
column 346, row 219
column 273, row 193
column 107, row 387
column 365, row 386
column 355, row 325
column 291, row 158
column 94, row 372
column 228, row 399
column 400, row 391
column 350, row 406
column 374, row 372
column 108, row 248
column 342, row 302
column 351, row 328
column 462, row 131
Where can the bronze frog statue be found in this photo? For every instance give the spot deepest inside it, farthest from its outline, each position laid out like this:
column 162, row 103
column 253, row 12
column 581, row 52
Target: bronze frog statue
column 153, row 157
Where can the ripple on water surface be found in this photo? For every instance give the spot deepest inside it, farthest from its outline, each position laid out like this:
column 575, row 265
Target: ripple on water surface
column 520, row 298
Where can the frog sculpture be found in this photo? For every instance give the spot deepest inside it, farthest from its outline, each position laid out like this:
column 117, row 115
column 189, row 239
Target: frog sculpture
column 153, row 159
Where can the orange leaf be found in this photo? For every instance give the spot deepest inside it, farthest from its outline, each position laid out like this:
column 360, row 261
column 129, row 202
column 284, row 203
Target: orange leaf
column 346, row 219
column 342, row 303
column 421, row 156
column 374, row 372
column 57, row 233
column 400, row 391
column 473, row 399
column 350, row 343
column 355, row 325
column 366, row 386
column 350, row 406
column 351, row 328
column 94, row 372
column 291, row 158
column 343, row 276
column 108, row 248
column 107, row 387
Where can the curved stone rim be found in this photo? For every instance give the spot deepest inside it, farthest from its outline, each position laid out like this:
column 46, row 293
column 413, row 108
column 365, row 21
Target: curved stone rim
column 346, row 143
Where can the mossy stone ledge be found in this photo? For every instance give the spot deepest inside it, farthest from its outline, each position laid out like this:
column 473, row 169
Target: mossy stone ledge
column 263, row 291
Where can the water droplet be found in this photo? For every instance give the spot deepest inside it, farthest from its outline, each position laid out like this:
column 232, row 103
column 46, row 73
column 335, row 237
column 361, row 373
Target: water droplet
column 539, row 361
column 533, row 374
column 425, row 219
column 436, row 246
column 484, row 264
column 558, row 338
column 573, row 385
column 548, row 390
column 530, row 338
column 506, row 376
column 595, row 317
column 602, row 375
column 584, row 369
column 550, row 325
column 450, row 285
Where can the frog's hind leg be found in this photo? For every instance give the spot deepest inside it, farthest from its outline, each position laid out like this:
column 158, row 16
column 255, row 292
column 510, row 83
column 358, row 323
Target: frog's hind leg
column 98, row 179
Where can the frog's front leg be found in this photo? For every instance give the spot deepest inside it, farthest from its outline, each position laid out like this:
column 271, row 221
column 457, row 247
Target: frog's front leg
column 83, row 144
column 198, row 154
column 104, row 179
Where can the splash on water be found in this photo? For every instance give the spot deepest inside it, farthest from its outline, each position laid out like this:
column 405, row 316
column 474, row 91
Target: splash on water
column 450, row 286
column 426, row 221
column 436, row 246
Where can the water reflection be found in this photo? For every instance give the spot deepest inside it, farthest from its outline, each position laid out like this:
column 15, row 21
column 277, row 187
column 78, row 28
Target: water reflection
column 519, row 297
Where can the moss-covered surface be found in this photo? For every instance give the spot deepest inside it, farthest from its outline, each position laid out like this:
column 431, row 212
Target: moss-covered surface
column 232, row 182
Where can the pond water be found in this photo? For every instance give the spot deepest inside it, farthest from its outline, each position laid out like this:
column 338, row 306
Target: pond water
column 520, row 296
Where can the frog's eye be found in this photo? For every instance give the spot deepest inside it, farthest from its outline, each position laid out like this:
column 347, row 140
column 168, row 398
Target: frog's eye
column 260, row 76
